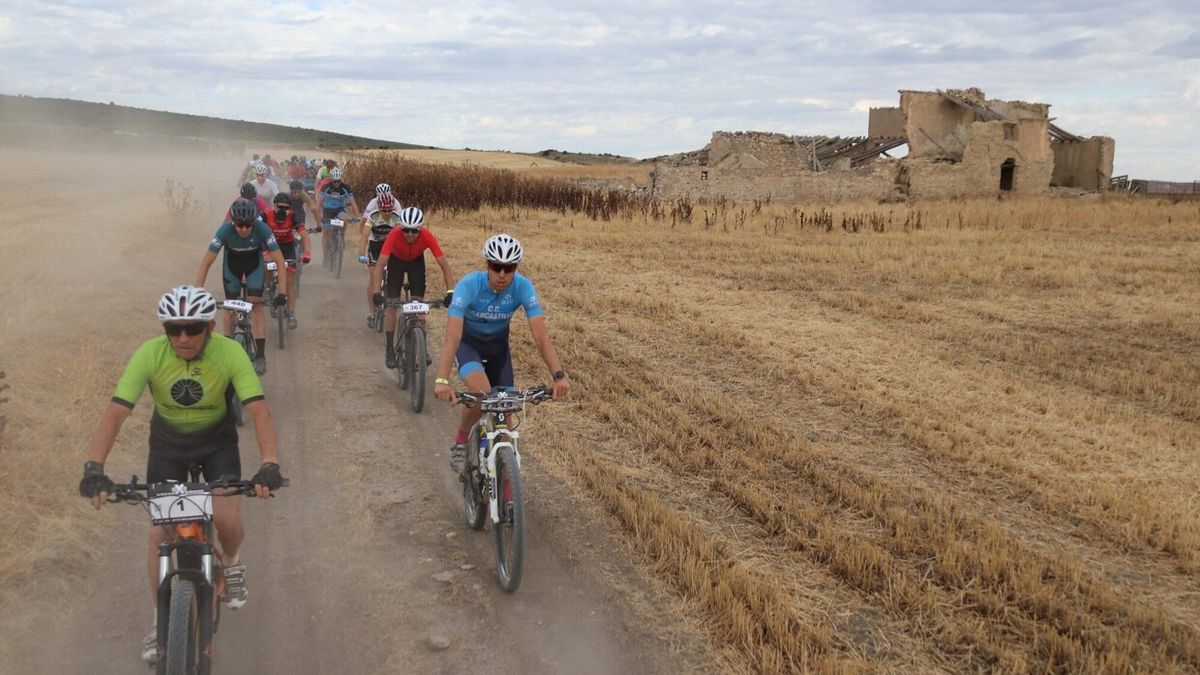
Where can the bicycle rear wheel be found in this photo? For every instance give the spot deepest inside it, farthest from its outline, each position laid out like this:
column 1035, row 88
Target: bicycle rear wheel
column 183, row 631
column 417, row 349
column 473, row 499
column 509, row 533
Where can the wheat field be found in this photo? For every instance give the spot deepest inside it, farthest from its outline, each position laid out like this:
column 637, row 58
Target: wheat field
column 942, row 437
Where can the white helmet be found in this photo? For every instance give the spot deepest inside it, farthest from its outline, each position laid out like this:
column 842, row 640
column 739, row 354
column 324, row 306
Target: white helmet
column 335, row 173
column 383, row 189
column 411, row 218
column 502, row 248
column 187, row 303
column 260, row 169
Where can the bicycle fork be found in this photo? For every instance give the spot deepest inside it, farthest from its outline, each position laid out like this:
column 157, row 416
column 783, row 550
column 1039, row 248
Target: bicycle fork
column 494, row 447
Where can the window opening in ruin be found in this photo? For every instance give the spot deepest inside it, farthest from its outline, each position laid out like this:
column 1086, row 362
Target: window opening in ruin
column 703, row 175
column 1010, row 131
column 1008, row 173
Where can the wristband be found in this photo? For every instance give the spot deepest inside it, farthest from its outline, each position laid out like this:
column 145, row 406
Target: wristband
column 559, row 375
column 91, row 465
column 442, row 380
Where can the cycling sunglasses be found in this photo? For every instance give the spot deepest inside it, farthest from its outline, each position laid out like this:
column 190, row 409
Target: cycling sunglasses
column 243, row 226
column 192, row 329
column 506, row 269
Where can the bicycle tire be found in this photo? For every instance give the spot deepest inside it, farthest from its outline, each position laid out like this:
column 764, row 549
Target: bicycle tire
column 476, row 506
column 339, row 245
column 402, row 356
column 509, row 533
column 281, row 322
column 247, row 344
column 183, row 630
column 420, row 369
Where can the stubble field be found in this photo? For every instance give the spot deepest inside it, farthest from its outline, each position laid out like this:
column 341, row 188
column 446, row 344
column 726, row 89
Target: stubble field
column 965, row 442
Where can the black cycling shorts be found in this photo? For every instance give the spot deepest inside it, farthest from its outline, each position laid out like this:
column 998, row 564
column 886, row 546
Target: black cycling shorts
column 373, row 249
column 397, row 270
column 288, row 249
column 491, row 355
column 213, row 451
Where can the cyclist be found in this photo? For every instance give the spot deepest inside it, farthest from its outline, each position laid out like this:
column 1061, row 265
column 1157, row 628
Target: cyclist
column 242, row 237
column 283, row 225
column 371, row 233
column 263, row 186
column 484, row 304
column 403, row 254
column 193, row 375
column 300, row 200
column 373, row 205
column 248, row 192
column 334, row 197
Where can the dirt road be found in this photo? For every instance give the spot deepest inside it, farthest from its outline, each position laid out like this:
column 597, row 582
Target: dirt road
column 341, row 566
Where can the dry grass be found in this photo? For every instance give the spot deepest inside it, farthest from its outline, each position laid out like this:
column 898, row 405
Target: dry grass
column 977, row 422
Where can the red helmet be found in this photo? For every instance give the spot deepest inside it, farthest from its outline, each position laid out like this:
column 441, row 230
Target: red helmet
column 386, row 202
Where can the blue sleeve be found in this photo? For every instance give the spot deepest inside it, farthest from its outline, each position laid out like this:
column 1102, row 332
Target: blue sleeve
column 458, row 306
column 266, row 234
column 219, row 238
column 527, row 296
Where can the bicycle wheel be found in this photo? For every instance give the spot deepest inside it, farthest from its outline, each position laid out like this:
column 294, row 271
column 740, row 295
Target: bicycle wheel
column 509, row 533
column 339, row 246
column 403, row 372
column 476, row 505
column 417, row 349
column 183, row 631
column 247, row 344
column 280, row 322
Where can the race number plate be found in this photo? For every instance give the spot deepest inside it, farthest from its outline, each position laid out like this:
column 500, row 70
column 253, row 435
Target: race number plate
column 271, row 266
column 237, row 305
column 337, row 222
column 416, row 308
column 181, row 505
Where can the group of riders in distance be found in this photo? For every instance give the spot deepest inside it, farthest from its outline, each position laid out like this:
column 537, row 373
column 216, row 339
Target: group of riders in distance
column 197, row 376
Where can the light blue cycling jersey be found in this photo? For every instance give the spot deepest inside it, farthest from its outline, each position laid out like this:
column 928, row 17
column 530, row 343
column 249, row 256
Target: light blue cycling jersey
column 486, row 313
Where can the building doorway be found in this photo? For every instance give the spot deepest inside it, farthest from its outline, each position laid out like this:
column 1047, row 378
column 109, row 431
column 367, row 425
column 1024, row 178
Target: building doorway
column 1008, row 173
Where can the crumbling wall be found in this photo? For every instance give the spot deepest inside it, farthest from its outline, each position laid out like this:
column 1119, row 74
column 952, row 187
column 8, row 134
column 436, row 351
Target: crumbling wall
column 931, row 120
column 1085, row 164
column 694, row 182
column 885, row 123
column 774, row 150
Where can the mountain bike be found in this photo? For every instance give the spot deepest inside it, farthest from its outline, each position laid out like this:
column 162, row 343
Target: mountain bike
column 337, row 244
column 412, row 349
column 190, row 576
column 279, row 313
column 379, row 304
column 493, row 474
column 243, row 334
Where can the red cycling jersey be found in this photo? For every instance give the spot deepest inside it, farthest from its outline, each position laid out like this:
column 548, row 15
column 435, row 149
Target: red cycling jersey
column 285, row 231
column 395, row 246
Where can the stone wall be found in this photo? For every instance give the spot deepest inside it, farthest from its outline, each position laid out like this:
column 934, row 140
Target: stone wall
column 698, row 182
column 777, row 150
column 929, row 117
column 1085, row 164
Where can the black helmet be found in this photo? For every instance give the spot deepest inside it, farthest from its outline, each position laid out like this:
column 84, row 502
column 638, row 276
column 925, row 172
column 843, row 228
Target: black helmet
column 283, row 198
column 248, row 191
column 295, row 186
column 243, row 211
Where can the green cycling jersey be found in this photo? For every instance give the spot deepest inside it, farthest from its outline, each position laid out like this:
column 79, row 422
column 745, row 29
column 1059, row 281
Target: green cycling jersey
column 189, row 395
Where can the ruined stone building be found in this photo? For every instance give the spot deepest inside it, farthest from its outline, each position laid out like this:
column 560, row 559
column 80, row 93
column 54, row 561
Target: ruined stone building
column 960, row 144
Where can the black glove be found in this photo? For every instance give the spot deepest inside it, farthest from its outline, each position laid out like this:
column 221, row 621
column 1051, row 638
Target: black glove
column 378, row 298
column 446, row 300
column 279, row 300
column 94, row 481
column 268, row 476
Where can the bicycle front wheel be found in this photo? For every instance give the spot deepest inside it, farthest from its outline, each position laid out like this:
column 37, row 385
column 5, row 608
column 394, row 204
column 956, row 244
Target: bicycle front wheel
column 473, row 499
column 417, row 349
column 403, row 355
column 339, row 246
column 509, row 533
column 183, row 632
column 280, row 322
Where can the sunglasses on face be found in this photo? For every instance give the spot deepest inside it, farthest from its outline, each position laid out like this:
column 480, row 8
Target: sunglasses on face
column 243, row 226
column 505, row 269
column 192, row 329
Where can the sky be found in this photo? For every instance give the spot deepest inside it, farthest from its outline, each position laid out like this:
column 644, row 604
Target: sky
column 629, row 77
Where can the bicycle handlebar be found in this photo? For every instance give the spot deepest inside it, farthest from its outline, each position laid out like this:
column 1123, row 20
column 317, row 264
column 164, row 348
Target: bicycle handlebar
column 535, row 395
column 133, row 491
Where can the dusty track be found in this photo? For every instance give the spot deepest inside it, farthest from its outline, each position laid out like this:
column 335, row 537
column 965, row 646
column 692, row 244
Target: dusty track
column 341, row 564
